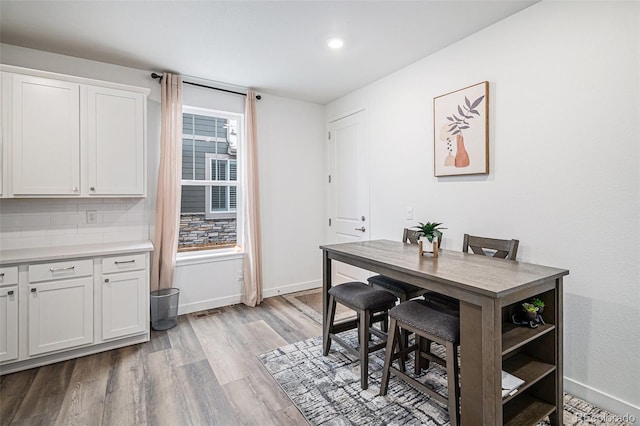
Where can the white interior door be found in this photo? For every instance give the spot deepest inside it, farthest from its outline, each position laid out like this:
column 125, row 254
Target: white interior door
column 348, row 189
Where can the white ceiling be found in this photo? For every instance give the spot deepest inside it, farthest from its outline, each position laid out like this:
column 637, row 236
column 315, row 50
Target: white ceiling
column 277, row 47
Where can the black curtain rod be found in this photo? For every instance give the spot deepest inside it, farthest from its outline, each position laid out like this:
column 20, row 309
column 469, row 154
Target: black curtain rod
column 159, row 77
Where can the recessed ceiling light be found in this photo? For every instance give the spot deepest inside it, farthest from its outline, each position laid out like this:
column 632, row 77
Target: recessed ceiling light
column 335, row 43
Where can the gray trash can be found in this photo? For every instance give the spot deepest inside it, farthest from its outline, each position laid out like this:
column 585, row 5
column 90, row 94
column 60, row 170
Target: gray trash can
column 164, row 308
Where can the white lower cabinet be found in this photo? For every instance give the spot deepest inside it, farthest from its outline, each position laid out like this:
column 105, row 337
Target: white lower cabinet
column 8, row 323
column 124, row 296
column 52, row 311
column 60, row 315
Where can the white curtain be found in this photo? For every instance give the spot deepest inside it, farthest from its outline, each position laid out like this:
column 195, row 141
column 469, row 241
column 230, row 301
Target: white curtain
column 169, row 184
column 252, row 290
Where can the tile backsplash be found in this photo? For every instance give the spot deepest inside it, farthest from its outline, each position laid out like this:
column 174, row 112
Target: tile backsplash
column 35, row 223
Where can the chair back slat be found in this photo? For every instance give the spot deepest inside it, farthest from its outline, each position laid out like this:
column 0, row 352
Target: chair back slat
column 505, row 249
column 411, row 235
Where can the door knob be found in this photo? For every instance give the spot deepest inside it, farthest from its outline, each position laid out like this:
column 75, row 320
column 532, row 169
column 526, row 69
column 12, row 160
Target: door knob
column 361, row 229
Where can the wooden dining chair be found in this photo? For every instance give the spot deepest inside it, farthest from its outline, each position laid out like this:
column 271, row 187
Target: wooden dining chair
column 403, row 291
column 504, row 249
column 492, row 247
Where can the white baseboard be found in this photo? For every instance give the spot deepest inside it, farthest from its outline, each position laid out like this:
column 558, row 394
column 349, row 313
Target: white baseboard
column 203, row 305
column 292, row 288
column 601, row 399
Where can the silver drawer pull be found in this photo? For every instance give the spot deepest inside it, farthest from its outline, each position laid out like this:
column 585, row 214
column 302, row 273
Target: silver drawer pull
column 68, row 268
column 10, row 292
column 120, row 262
column 1, row 274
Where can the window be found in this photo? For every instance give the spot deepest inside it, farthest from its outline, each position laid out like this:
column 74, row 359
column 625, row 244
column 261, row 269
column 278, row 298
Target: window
column 221, row 199
column 210, row 181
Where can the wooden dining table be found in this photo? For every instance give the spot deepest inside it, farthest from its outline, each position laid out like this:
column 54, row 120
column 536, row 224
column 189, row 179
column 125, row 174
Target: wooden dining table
column 490, row 291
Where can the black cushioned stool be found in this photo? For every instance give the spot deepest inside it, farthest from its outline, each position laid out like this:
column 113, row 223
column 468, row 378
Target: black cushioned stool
column 427, row 322
column 401, row 290
column 366, row 301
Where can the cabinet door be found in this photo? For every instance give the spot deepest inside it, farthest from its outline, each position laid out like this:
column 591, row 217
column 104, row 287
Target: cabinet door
column 115, row 142
column 8, row 323
column 124, row 304
column 60, row 314
column 45, row 136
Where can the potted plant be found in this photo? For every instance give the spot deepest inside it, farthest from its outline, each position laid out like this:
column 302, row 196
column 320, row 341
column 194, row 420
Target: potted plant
column 530, row 311
column 430, row 233
column 538, row 304
column 431, row 230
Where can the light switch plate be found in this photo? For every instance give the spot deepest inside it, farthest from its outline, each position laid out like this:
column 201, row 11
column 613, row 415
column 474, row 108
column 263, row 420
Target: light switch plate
column 409, row 213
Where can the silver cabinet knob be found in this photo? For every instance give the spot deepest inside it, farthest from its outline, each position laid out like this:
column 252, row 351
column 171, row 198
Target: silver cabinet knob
column 93, row 188
column 361, row 229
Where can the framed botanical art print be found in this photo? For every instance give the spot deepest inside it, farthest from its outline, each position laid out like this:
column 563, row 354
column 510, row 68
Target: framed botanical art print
column 461, row 131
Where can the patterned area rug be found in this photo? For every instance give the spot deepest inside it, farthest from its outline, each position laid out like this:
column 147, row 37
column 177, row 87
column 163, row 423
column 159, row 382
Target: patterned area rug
column 310, row 302
column 327, row 390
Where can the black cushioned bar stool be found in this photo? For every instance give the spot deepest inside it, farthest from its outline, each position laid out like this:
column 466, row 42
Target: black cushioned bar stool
column 430, row 323
column 367, row 302
column 403, row 291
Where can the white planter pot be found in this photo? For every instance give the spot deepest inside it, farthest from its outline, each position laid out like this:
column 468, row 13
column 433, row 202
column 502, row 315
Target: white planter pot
column 427, row 246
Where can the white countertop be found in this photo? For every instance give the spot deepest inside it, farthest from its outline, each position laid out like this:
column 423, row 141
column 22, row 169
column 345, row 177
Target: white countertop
column 8, row 257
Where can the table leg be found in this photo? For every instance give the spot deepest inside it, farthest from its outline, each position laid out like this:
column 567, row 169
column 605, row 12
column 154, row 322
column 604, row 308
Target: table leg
column 480, row 363
column 326, row 285
column 556, row 418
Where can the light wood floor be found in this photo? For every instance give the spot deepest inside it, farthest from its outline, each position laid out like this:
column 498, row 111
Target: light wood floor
column 202, row 372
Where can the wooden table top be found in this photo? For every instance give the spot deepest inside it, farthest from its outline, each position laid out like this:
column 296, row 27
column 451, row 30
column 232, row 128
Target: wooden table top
column 478, row 274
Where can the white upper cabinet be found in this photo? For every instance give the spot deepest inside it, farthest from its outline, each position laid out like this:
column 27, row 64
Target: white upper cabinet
column 45, row 136
column 115, row 142
column 72, row 137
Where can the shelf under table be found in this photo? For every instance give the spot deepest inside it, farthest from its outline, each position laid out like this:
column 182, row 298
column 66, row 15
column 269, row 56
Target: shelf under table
column 526, row 410
column 515, row 336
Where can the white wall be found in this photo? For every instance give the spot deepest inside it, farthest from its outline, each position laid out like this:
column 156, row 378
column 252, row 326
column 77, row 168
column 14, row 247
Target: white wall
column 564, row 160
column 290, row 137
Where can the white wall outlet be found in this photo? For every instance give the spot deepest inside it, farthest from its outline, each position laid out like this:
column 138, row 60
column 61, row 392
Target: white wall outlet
column 92, row 217
column 409, row 213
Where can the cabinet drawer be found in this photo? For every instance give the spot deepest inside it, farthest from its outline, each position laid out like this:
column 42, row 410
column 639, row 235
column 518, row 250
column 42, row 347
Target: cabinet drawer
column 9, row 275
column 130, row 262
column 60, row 270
